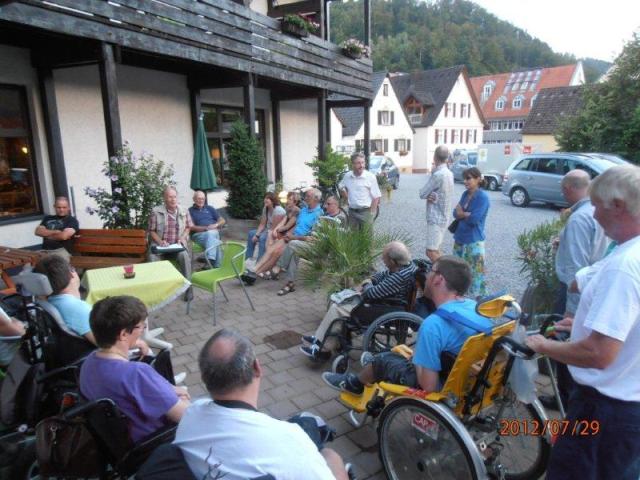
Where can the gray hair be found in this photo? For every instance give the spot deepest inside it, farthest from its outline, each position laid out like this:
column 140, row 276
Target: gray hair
column 441, row 154
column 357, row 155
column 621, row 182
column 577, row 179
column 317, row 194
column 169, row 187
column 225, row 369
column 398, row 253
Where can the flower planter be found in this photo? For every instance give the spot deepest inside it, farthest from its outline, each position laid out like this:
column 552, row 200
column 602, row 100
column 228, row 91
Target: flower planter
column 352, row 54
column 294, row 30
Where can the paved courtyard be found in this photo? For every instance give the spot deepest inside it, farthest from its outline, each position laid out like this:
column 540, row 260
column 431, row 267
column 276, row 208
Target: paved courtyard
column 291, row 382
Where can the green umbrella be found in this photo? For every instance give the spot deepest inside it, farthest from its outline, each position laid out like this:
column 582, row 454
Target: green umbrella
column 202, row 176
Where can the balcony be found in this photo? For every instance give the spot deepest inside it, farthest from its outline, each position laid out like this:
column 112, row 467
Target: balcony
column 415, row 118
column 216, row 33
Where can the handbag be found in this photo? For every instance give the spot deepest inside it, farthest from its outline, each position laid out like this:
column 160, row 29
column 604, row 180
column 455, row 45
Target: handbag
column 66, row 448
column 453, row 226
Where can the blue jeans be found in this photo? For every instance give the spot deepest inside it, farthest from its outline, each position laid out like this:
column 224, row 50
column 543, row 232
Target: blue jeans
column 209, row 239
column 262, row 243
column 612, row 452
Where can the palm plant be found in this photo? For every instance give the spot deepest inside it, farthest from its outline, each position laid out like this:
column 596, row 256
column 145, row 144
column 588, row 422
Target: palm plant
column 339, row 257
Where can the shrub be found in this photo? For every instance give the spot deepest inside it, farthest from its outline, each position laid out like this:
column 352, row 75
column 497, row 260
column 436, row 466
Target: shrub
column 141, row 181
column 329, row 170
column 247, row 183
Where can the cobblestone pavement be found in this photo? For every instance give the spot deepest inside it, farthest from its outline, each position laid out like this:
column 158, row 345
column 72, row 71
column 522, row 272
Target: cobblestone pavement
column 406, row 211
column 292, row 383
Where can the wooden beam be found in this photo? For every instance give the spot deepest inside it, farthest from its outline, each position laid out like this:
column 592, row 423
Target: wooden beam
column 110, row 108
column 328, row 117
column 277, row 140
column 308, row 6
column 367, row 22
column 249, row 95
column 52, row 131
column 347, row 103
column 196, row 110
column 367, row 135
column 322, row 124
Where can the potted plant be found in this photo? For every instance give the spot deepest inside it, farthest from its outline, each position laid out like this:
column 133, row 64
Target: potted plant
column 354, row 48
column 403, row 153
column 299, row 25
column 329, row 171
column 385, row 185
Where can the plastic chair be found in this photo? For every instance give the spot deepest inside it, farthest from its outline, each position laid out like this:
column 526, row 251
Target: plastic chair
column 232, row 267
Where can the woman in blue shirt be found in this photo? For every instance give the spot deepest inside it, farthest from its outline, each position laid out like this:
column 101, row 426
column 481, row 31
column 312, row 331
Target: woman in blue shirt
column 471, row 213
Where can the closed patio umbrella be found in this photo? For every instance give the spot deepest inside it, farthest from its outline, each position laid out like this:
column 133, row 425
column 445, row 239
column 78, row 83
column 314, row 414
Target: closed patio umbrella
column 202, row 176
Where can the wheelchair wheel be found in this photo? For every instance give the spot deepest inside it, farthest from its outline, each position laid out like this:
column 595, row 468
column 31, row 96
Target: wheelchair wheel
column 340, row 364
column 420, row 439
column 515, row 454
column 391, row 329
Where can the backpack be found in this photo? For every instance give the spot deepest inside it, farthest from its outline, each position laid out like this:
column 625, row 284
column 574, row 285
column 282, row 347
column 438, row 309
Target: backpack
column 20, row 393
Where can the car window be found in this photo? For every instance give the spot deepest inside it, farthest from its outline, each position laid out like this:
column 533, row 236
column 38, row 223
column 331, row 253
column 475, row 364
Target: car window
column 576, row 164
column 375, row 162
column 525, row 164
column 472, row 158
column 548, row 165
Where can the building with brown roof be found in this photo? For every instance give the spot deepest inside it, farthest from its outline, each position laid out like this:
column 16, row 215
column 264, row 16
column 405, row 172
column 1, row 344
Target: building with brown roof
column 552, row 107
column 507, row 98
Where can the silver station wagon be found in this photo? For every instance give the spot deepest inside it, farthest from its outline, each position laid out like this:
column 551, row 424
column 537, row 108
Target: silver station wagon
column 537, row 177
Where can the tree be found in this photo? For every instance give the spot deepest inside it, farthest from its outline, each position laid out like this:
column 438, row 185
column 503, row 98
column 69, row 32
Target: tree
column 247, row 183
column 609, row 120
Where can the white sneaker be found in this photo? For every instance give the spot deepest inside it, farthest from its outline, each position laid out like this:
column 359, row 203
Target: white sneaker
column 179, row 378
column 250, row 264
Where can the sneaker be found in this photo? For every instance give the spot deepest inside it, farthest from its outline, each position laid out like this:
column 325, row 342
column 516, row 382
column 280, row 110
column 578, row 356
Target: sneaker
column 311, row 351
column 366, row 358
column 250, row 264
column 179, row 378
column 310, row 339
column 344, row 382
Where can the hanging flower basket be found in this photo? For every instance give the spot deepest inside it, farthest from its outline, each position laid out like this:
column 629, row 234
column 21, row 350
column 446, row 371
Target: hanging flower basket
column 354, row 49
column 298, row 26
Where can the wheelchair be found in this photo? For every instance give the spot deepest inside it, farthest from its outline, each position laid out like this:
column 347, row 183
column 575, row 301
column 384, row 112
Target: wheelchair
column 474, row 427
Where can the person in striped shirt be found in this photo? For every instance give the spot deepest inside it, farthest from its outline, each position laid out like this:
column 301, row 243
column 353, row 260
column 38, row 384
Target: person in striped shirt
column 393, row 283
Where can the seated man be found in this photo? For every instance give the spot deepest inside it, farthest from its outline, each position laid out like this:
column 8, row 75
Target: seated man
column 147, row 399
column 288, row 261
column 57, row 230
column 446, row 284
column 206, row 224
column 229, row 438
column 171, row 224
column 394, row 283
column 9, row 327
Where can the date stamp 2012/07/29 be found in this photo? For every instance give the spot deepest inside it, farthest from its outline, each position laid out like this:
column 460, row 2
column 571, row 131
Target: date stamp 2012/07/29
column 555, row 427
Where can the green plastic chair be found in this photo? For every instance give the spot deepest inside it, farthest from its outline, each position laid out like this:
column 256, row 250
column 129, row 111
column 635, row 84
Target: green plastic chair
column 232, row 267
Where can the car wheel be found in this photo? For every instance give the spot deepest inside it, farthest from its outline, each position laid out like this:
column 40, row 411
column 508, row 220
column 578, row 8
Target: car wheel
column 519, row 197
column 492, row 184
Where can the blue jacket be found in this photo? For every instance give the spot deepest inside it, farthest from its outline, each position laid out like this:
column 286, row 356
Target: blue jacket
column 471, row 229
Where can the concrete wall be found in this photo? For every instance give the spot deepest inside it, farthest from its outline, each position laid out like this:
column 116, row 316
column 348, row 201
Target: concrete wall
column 299, row 125
column 542, row 143
column 15, row 69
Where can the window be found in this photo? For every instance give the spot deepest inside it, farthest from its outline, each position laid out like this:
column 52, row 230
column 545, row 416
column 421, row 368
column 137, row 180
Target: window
column 524, row 85
column 455, row 137
column 468, row 136
column 439, row 136
column 515, row 86
column 533, row 99
column 385, row 89
column 359, row 146
column 385, row 117
column 500, row 103
column 377, row 145
column 569, row 165
column 548, row 165
column 517, row 102
column 487, row 90
column 525, row 164
column 19, row 195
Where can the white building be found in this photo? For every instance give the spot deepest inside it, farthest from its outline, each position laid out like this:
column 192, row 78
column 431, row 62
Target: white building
column 390, row 131
column 74, row 86
column 442, row 109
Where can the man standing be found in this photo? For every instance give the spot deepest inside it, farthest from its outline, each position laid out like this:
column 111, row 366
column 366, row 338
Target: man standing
column 582, row 242
column 361, row 188
column 229, row 438
column 205, row 229
column 170, row 224
column 438, row 191
column 604, row 351
column 57, row 230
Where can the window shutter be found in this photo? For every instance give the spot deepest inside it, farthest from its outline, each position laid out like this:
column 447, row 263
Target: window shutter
column 454, row 110
column 408, row 145
column 461, row 135
column 469, row 110
column 395, row 145
column 379, row 118
column 386, row 145
column 445, row 135
column 446, row 110
column 392, row 117
column 475, row 133
column 437, row 136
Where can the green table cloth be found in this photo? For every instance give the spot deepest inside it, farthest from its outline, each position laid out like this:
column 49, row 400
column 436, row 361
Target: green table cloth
column 156, row 283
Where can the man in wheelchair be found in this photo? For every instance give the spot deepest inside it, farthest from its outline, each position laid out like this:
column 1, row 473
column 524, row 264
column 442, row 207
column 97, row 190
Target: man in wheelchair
column 391, row 284
column 445, row 330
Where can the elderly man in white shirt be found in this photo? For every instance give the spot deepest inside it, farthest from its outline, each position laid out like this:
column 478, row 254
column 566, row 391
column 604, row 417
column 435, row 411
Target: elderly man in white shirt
column 361, row 188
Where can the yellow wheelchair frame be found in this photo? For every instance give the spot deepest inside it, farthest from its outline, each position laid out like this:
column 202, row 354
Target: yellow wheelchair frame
column 468, row 428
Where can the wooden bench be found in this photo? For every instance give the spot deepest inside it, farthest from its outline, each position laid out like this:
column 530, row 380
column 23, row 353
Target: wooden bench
column 108, row 248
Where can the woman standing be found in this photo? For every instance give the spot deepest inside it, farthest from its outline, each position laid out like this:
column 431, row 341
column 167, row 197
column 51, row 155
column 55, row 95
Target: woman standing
column 471, row 213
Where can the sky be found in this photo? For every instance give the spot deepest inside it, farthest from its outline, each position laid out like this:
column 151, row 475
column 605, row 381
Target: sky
column 584, row 28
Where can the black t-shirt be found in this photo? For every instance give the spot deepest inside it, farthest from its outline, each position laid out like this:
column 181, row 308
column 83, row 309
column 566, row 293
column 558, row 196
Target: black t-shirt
column 54, row 222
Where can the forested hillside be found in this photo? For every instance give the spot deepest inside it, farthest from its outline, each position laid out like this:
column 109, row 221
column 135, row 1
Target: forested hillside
column 414, row 35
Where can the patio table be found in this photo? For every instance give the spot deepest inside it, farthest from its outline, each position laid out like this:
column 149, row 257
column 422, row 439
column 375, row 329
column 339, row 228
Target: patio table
column 156, row 284
column 14, row 257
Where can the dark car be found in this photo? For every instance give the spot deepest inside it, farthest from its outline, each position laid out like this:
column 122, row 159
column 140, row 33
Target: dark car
column 381, row 165
column 537, row 177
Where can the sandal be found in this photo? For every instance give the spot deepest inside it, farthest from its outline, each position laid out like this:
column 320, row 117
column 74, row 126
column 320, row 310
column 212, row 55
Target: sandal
column 265, row 275
column 288, row 288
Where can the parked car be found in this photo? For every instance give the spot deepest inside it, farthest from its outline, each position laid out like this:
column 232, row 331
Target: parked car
column 463, row 159
column 612, row 157
column 537, row 177
column 381, row 165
